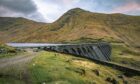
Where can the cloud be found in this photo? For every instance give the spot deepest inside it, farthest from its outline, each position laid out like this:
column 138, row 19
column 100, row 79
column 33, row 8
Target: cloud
column 24, row 6
column 54, row 9
column 130, row 8
column 51, row 10
column 19, row 8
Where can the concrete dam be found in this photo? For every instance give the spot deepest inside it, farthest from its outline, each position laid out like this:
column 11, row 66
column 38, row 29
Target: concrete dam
column 98, row 52
column 95, row 51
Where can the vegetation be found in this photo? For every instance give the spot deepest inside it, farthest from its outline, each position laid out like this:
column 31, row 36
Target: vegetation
column 52, row 68
column 7, row 51
column 125, row 55
column 122, row 31
column 10, row 81
column 70, row 27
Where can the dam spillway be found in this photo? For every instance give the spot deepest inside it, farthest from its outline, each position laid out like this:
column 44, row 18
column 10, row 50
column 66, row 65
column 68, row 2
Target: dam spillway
column 96, row 51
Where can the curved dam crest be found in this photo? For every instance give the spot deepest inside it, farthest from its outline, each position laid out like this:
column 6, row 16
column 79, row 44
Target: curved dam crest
column 98, row 51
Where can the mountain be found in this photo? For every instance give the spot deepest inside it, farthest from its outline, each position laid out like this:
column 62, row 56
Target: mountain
column 14, row 29
column 80, row 26
column 76, row 25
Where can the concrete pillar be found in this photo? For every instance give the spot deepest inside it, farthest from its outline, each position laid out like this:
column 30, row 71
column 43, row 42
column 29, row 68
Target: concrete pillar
column 103, row 50
column 82, row 52
column 99, row 53
column 92, row 53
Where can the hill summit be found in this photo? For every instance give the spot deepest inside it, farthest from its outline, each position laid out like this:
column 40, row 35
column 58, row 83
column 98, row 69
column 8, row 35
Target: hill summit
column 76, row 25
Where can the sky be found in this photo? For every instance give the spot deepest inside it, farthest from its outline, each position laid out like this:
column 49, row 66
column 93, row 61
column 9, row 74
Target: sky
column 50, row 10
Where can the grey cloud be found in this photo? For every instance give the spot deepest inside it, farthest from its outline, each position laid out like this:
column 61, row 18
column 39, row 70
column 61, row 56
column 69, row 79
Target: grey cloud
column 37, row 17
column 22, row 6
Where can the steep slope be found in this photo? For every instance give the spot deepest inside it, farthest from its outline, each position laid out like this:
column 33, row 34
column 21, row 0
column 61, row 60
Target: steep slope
column 14, row 29
column 56, row 68
column 80, row 24
column 76, row 25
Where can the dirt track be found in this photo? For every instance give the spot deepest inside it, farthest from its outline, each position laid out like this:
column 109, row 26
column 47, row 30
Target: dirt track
column 5, row 62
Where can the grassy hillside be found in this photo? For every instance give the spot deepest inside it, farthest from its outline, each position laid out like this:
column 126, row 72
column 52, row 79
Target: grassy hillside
column 6, row 51
column 76, row 24
column 125, row 55
column 15, row 29
column 79, row 26
column 56, row 68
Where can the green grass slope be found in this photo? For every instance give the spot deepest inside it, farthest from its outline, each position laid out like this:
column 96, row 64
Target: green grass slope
column 7, row 51
column 125, row 55
column 56, row 68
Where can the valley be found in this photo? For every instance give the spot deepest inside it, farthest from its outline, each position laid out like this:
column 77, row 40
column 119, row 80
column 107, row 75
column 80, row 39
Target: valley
column 76, row 26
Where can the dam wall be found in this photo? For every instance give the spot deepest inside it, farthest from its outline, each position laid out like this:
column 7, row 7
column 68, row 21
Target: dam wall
column 98, row 51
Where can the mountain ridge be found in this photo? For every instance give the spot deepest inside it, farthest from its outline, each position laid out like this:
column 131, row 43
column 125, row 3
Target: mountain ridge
column 75, row 25
column 79, row 26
